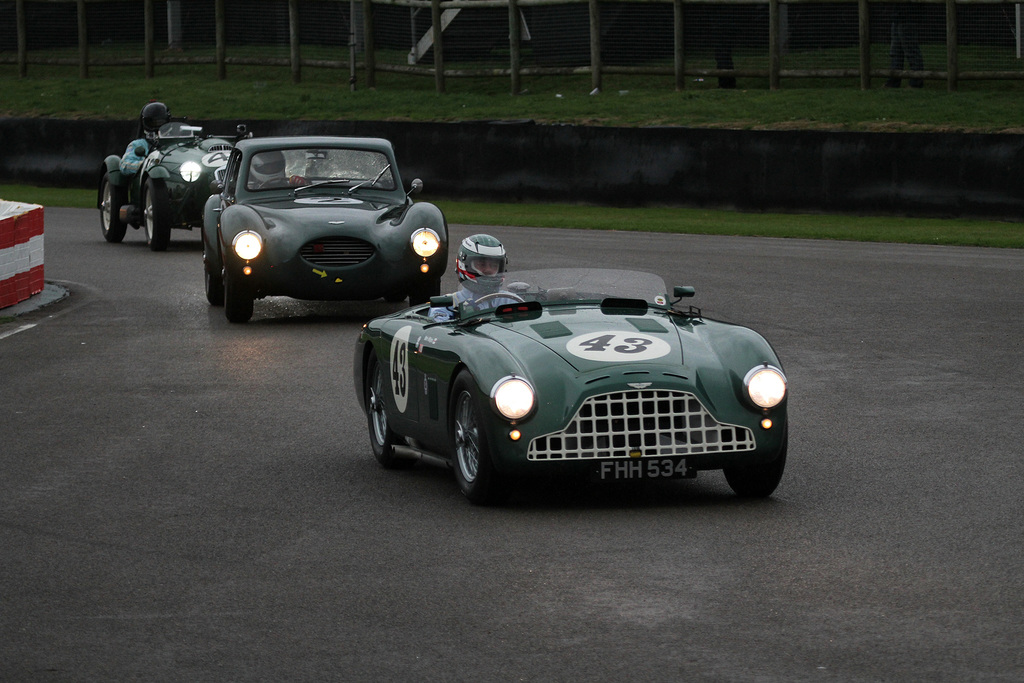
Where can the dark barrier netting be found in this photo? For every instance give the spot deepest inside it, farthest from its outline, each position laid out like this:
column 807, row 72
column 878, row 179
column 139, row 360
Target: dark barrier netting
column 935, row 174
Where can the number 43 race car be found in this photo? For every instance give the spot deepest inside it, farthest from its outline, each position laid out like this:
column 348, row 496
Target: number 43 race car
column 573, row 372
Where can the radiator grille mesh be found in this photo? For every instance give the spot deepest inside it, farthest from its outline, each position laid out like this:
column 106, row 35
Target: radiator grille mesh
column 336, row 251
column 655, row 422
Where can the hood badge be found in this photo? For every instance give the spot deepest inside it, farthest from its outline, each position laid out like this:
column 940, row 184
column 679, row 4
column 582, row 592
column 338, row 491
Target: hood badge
column 639, row 385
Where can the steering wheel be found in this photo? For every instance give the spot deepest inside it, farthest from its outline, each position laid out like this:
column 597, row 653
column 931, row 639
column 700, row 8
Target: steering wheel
column 495, row 295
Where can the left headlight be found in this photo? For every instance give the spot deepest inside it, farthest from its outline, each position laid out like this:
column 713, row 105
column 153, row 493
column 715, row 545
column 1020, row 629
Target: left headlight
column 513, row 397
column 190, row 171
column 247, row 244
column 766, row 386
column 425, row 242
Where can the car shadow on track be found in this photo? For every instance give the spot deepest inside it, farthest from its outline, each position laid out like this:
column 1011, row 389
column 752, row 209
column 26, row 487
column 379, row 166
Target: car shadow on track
column 708, row 491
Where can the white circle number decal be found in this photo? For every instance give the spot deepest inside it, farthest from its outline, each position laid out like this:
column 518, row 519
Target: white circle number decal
column 617, row 347
column 400, row 368
column 216, row 159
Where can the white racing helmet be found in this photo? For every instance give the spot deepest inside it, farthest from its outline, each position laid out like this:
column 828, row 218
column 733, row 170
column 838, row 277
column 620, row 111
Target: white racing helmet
column 480, row 256
column 266, row 167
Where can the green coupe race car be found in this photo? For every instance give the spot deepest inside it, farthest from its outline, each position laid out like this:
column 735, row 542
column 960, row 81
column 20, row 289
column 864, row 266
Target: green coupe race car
column 169, row 189
column 573, row 372
column 319, row 218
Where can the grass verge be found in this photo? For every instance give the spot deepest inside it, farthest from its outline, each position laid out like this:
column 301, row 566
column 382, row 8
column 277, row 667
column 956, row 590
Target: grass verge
column 907, row 230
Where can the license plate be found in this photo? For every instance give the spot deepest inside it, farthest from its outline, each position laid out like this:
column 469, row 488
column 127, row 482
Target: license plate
column 647, row 468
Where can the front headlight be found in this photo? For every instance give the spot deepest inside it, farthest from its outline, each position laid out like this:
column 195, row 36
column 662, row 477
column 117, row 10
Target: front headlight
column 247, row 244
column 425, row 242
column 766, row 386
column 513, row 397
column 190, row 171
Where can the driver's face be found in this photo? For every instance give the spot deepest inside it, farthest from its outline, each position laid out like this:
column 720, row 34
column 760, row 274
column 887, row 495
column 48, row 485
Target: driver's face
column 488, row 266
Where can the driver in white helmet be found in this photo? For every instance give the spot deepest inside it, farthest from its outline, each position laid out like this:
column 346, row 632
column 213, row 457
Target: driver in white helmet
column 480, row 266
column 267, row 171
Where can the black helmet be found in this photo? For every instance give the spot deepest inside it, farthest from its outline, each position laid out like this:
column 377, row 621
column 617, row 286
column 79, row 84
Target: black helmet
column 154, row 115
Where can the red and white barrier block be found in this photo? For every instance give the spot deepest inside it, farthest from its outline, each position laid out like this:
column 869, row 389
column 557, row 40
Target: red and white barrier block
column 21, row 251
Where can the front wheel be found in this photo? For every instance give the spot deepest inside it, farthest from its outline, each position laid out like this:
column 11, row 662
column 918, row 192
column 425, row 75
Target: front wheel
column 237, row 300
column 156, row 215
column 111, row 199
column 758, row 481
column 214, row 288
column 474, row 466
column 382, row 439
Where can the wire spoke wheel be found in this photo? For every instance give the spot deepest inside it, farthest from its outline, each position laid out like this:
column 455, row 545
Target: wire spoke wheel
column 475, row 472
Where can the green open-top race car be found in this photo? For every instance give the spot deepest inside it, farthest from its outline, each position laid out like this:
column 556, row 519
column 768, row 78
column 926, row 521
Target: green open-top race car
column 573, row 372
column 170, row 188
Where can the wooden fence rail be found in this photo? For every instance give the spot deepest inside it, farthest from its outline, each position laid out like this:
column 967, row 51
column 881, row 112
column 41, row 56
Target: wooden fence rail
column 367, row 61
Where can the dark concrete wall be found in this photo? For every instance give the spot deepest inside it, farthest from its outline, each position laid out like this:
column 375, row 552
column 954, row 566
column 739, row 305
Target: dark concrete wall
column 925, row 174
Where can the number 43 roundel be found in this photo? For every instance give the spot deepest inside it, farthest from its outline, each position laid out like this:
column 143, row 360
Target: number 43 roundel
column 617, row 347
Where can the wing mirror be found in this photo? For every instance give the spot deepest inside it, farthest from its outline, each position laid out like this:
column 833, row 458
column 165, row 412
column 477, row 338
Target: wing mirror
column 415, row 187
column 443, row 301
column 683, row 292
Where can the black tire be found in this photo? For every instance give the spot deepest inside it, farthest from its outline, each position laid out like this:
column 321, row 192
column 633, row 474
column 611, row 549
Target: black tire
column 214, row 288
column 237, row 301
column 112, row 198
column 422, row 295
column 382, row 439
column 474, row 467
column 758, row 481
column 156, row 215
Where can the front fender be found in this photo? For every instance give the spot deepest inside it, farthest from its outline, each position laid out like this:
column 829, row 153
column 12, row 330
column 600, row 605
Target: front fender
column 426, row 215
column 211, row 245
column 158, row 173
column 231, row 221
column 112, row 167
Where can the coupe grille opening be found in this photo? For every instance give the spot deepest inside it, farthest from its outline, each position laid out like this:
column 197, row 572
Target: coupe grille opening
column 657, row 422
column 336, row 251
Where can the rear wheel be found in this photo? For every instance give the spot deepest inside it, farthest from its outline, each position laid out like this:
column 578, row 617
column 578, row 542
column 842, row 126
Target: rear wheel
column 112, row 198
column 382, row 439
column 156, row 215
column 237, row 300
column 758, row 481
column 474, row 466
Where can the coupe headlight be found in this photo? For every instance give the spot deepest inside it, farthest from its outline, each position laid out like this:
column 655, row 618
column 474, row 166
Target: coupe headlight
column 425, row 242
column 513, row 397
column 247, row 245
column 766, row 386
column 190, row 171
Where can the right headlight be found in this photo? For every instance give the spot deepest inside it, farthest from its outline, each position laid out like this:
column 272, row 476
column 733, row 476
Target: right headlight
column 766, row 386
column 513, row 397
column 247, row 244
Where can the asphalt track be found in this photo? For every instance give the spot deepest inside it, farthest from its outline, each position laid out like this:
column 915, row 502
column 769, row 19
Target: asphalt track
column 182, row 499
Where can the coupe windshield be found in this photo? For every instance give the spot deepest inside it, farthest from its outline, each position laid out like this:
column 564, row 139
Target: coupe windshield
column 564, row 285
column 326, row 167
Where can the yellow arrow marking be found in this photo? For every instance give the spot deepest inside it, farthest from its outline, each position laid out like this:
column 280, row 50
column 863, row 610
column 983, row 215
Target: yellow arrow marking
column 321, row 273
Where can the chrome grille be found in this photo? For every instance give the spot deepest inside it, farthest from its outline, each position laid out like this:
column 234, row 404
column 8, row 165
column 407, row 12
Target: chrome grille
column 656, row 422
column 220, row 147
column 336, row 251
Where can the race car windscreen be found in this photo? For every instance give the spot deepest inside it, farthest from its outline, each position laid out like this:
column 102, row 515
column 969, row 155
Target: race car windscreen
column 564, row 285
column 335, row 167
